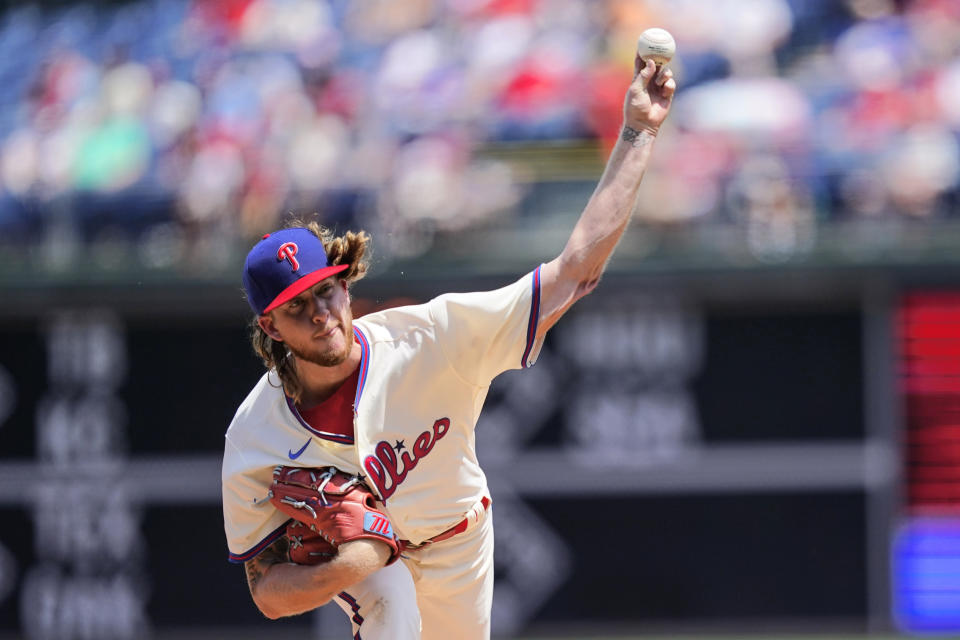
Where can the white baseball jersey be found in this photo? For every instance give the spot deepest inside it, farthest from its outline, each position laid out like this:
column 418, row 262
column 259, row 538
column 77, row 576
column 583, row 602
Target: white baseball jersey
column 424, row 375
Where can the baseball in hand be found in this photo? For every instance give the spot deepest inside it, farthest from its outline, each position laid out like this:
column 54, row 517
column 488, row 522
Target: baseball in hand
column 656, row 44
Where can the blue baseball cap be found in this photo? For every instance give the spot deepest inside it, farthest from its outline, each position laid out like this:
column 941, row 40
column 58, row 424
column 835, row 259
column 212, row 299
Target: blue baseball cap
column 283, row 265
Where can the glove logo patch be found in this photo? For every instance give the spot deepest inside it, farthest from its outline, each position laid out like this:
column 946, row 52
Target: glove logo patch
column 378, row 524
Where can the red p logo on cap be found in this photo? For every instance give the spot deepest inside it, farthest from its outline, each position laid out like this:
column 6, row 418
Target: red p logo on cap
column 287, row 251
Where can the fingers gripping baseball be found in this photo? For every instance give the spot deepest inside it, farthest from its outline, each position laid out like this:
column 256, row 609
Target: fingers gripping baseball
column 651, row 93
column 649, row 97
column 328, row 508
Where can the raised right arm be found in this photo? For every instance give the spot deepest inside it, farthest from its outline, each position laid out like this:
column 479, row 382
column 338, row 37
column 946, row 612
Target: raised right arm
column 577, row 270
column 281, row 588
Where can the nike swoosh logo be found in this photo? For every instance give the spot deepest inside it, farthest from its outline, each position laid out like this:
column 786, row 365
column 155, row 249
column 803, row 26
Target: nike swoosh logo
column 294, row 456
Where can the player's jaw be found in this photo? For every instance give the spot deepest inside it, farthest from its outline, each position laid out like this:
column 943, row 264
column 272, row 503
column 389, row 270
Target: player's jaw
column 328, row 339
column 328, row 347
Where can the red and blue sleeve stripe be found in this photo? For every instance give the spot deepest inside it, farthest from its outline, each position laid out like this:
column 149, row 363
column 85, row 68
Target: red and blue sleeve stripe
column 534, row 318
column 238, row 558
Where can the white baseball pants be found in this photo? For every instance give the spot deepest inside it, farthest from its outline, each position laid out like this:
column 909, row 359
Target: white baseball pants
column 438, row 592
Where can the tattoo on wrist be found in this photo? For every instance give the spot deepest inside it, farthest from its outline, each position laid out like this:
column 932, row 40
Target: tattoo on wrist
column 636, row 138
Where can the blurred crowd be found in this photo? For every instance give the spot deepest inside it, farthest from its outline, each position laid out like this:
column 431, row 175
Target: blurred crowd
column 175, row 128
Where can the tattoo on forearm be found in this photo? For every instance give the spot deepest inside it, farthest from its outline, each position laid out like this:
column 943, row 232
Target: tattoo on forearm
column 254, row 573
column 636, row 138
column 277, row 552
column 257, row 567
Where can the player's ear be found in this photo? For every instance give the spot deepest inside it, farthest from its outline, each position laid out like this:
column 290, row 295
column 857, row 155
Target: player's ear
column 266, row 323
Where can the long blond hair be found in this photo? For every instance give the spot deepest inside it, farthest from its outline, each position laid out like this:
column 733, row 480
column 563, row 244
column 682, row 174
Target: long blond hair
column 350, row 248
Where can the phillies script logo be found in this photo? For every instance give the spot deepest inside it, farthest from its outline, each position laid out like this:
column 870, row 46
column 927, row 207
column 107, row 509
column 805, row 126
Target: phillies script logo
column 286, row 252
column 387, row 472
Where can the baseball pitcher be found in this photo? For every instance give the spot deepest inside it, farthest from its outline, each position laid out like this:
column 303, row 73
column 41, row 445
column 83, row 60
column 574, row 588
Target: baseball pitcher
column 349, row 471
